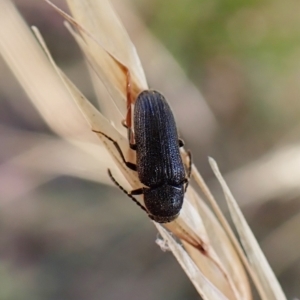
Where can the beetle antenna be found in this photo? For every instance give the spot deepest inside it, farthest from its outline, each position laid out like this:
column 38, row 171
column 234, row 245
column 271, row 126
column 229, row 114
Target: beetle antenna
column 124, row 191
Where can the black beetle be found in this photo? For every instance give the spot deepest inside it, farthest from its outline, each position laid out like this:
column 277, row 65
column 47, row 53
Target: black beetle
column 159, row 164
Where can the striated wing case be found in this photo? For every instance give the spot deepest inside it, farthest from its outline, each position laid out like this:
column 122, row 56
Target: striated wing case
column 156, row 137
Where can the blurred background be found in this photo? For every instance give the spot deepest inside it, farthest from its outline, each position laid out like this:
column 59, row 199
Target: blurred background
column 231, row 72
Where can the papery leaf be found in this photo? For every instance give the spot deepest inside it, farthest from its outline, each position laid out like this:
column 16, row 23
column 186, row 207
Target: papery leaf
column 117, row 75
column 254, row 253
column 34, row 72
column 100, row 19
column 97, row 122
column 205, row 288
column 223, row 248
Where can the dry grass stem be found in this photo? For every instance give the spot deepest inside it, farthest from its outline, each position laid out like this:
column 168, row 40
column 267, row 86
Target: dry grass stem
column 268, row 280
column 40, row 81
column 228, row 231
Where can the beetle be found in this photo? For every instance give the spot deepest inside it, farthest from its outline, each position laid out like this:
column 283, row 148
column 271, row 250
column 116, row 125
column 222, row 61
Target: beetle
column 158, row 161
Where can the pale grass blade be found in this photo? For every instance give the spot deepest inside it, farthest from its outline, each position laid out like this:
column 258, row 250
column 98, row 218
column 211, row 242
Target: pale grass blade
column 222, row 246
column 225, row 225
column 114, row 105
column 99, row 18
column 116, row 75
column 254, row 253
column 34, row 72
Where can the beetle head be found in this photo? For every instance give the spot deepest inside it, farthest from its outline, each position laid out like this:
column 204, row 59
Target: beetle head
column 164, row 203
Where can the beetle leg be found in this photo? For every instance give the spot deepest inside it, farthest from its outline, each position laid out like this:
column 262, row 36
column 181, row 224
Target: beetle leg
column 131, row 139
column 189, row 170
column 190, row 163
column 127, row 122
column 129, row 98
column 181, row 143
column 128, row 194
column 130, row 136
column 137, row 192
column 123, row 122
column 134, row 192
column 129, row 164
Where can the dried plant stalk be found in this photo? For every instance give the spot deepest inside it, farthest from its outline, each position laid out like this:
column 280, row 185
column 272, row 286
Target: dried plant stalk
column 256, row 257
